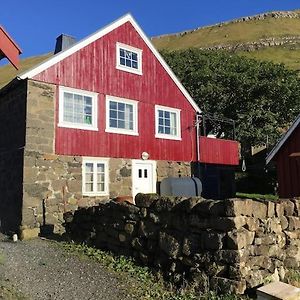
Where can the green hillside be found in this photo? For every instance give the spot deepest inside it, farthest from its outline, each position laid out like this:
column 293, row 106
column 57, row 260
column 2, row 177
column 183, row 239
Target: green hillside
column 271, row 36
column 8, row 72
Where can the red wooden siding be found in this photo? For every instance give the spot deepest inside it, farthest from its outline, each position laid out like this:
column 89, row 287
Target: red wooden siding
column 8, row 48
column 217, row 151
column 93, row 68
column 288, row 168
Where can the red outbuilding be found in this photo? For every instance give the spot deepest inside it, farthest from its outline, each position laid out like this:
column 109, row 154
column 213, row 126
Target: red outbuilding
column 9, row 48
column 286, row 155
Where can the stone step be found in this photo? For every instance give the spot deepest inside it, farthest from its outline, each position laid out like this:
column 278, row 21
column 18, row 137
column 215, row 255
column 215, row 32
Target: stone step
column 278, row 291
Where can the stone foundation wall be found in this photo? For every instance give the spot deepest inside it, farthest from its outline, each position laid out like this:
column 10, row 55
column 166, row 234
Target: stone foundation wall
column 231, row 245
column 12, row 124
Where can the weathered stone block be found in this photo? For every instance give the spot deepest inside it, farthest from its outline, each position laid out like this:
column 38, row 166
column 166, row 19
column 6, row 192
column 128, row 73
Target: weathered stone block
column 212, row 240
column 239, row 239
column 191, row 244
column 237, row 207
column 29, row 233
column 252, row 224
column 224, row 285
column 259, row 209
column 228, row 223
column 284, row 208
column 294, row 223
column 145, row 200
column 169, row 244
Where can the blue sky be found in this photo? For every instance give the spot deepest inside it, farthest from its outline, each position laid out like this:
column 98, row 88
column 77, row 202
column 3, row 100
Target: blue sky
column 35, row 24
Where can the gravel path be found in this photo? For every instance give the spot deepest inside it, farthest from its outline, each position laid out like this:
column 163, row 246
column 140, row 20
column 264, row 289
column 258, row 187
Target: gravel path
column 41, row 270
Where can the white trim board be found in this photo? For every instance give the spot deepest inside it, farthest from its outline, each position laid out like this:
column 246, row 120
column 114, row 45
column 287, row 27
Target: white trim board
column 95, row 36
column 282, row 140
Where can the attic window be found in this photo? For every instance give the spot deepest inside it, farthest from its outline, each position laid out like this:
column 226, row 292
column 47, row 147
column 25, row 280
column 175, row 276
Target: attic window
column 77, row 109
column 129, row 59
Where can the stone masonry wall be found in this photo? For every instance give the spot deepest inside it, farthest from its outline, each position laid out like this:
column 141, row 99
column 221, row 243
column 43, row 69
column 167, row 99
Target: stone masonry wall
column 12, row 124
column 230, row 246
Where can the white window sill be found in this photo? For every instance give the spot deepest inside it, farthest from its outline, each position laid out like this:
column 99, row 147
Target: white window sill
column 130, row 70
column 92, row 194
column 119, row 131
column 77, row 126
column 168, row 137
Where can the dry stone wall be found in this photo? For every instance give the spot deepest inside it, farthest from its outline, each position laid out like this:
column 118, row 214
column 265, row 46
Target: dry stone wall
column 231, row 245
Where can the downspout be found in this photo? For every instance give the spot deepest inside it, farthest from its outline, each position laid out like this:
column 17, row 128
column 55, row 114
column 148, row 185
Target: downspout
column 198, row 120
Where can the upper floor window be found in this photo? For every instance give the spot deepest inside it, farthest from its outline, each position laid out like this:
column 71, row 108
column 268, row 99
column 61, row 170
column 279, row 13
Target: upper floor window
column 77, row 109
column 167, row 123
column 121, row 116
column 129, row 59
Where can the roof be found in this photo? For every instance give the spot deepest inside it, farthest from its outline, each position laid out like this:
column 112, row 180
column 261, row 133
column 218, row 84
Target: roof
column 9, row 48
column 95, row 36
column 282, row 140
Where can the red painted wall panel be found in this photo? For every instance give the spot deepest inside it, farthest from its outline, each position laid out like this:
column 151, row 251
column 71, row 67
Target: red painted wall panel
column 93, row 68
column 217, row 151
column 288, row 169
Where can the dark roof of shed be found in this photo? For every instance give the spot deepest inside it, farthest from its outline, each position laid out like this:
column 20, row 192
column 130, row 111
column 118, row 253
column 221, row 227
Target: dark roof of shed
column 282, row 140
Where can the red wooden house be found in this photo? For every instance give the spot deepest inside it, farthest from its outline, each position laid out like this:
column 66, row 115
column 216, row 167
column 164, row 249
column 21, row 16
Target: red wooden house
column 286, row 155
column 9, row 48
column 104, row 117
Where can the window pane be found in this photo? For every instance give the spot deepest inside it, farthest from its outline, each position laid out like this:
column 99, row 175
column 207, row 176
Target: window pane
column 87, row 100
column 89, row 187
column 89, row 167
column 122, row 52
column 134, row 56
column 113, row 123
column 140, row 173
column 121, row 124
column 145, row 173
column 128, row 63
column 100, row 168
column 122, row 61
column 167, row 122
column 100, row 187
column 135, row 65
column 113, row 105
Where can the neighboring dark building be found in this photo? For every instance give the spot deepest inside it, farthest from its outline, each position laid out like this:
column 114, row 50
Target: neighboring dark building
column 286, row 155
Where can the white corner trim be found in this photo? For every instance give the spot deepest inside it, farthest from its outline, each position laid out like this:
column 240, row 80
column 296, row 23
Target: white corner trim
column 282, row 140
column 95, row 160
column 134, row 103
column 62, row 123
column 178, row 123
column 139, row 52
column 98, row 34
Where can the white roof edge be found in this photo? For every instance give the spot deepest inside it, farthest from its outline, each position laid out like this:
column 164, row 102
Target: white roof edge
column 282, row 140
column 98, row 34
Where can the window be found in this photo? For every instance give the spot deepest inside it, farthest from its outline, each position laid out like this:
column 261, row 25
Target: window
column 94, row 177
column 77, row 109
column 167, row 123
column 129, row 59
column 121, row 116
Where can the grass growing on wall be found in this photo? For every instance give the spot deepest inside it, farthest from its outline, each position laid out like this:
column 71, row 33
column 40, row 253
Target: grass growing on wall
column 257, row 196
column 142, row 283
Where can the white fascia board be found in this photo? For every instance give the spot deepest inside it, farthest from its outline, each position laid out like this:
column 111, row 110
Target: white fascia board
column 100, row 33
column 282, row 140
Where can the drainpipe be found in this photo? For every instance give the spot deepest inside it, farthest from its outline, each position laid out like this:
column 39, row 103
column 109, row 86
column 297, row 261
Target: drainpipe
column 198, row 120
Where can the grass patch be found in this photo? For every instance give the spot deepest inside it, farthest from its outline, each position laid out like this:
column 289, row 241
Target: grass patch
column 9, row 293
column 257, row 196
column 293, row 277
column 141, row 282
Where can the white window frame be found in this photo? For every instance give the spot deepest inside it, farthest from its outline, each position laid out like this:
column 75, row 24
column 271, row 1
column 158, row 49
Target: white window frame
column 94, row 96
column 96, row 161
column 135, row 116
column 178, row 123
column 139, row 52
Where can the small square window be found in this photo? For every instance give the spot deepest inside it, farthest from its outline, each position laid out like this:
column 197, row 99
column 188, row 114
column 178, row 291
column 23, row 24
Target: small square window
column 95, row 177
column 129, row 59
column 77, row 109
column 121, row 116
column 167, row 122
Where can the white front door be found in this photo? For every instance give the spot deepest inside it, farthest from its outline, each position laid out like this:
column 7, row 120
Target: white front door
column 143, row 176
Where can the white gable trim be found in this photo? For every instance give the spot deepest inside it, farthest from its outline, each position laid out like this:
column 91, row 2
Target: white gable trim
column 98, row 34
column 282, row 140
